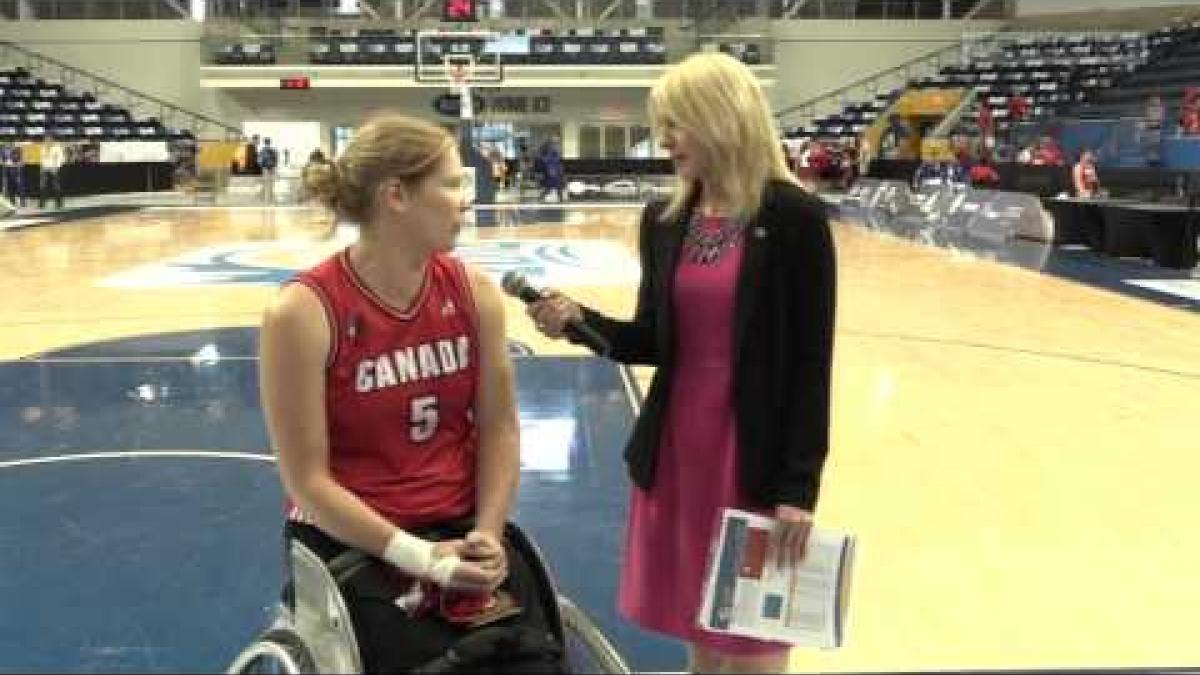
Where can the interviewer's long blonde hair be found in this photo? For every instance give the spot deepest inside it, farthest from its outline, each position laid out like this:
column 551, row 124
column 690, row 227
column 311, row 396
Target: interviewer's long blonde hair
column 719, row 102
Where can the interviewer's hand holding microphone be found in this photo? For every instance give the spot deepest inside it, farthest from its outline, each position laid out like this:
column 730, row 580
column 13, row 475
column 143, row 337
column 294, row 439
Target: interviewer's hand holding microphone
column 555, row 315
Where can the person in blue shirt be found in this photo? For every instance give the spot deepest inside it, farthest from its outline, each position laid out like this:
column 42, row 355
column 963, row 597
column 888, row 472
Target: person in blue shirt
column 13, row 162
column 268, row 161
column 550, row 167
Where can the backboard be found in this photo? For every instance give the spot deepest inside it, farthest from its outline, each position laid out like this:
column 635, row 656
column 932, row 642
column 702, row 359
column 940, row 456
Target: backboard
column 442, row 54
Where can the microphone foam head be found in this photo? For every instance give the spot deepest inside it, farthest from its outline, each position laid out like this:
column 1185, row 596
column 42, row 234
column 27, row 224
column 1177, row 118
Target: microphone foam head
column 512, row 282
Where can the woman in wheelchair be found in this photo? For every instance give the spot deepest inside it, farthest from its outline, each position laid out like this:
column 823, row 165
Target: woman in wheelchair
column 389, row 395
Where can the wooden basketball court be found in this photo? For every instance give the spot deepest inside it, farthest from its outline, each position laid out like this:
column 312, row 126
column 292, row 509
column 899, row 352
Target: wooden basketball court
column 1016, row 453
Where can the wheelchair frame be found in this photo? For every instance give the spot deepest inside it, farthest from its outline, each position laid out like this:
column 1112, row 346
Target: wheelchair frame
column 317, row 636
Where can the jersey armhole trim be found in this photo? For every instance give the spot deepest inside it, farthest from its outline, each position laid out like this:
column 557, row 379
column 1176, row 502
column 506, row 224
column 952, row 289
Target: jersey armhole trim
column 330, row 318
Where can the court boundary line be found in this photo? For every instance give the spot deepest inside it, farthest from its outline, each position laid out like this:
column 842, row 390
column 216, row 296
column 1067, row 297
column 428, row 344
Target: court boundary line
column 135, row 454
column 1019, row 350
column 631, row 388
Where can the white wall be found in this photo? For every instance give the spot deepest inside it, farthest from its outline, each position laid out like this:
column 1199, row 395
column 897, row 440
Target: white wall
column 159, row 58
column 293, row 141
column 351, row 107
column 1041, row 7
column 816, row 57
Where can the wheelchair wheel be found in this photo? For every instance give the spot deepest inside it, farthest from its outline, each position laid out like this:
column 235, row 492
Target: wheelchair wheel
column 587, row 650
column 279, row 651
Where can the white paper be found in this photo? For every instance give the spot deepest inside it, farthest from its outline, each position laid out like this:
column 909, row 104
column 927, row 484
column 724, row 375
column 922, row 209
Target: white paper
column 747, row 594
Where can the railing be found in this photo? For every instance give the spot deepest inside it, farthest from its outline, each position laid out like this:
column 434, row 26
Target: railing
column 897, row 9
column 172, row 116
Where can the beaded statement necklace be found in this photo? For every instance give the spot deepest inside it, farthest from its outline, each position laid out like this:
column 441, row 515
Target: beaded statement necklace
column 707, row 246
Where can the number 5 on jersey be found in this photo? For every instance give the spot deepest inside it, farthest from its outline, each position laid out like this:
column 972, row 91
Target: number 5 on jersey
column 424, row 419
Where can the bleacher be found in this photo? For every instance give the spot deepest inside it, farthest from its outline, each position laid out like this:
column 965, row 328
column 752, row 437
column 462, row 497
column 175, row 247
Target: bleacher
column 249, row 52
column 849, row 124
column 30, row 108
column 1176, row 66
column 1051, row 71
column 533, row 46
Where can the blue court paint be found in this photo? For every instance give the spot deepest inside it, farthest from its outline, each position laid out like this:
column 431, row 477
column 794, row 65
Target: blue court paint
column 169, row 563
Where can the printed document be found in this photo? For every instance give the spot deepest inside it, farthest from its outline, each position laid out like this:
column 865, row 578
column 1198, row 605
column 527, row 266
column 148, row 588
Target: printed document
column 747, row 594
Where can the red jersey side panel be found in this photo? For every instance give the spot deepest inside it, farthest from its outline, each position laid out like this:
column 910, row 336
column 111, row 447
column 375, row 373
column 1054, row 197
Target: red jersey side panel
column 400, row 392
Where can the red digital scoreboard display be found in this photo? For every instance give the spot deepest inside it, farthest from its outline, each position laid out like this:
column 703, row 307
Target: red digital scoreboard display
column 295, row 82
column 460, row 10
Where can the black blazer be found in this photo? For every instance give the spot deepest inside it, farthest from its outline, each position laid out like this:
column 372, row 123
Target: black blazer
column 783, row 345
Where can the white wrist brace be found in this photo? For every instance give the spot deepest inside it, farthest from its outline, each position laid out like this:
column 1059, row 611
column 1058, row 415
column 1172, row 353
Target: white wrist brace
column 415, row 556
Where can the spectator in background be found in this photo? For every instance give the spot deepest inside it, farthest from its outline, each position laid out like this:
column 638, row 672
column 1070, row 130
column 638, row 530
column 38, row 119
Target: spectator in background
column 525, row 164
column 1189, row 112
column 848, row 165
column 1151, row 140
column 268, row 162
column 1084, row 177
column 54, row 157
column 987, row 128
column 13, row 160
column 250, row 164
column 983, row 175
column 1018, row 108
column 1049, row 153
column 820, row 160
column 499, row 167
column 549, row 166
column 1018, row 112
column 864, row 156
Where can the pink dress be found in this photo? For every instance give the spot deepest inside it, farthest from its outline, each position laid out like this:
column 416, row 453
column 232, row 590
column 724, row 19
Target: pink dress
column 671, row 525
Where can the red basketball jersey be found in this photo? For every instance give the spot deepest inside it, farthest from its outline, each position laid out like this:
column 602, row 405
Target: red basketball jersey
column 400, row 392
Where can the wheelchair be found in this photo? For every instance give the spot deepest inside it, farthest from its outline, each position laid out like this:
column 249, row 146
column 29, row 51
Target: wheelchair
column 316, row 634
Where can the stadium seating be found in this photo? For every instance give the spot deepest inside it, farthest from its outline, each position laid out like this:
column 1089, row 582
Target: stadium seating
column 1175, row 66
column 31, row 107
column 1052, row 71
column 373, row 46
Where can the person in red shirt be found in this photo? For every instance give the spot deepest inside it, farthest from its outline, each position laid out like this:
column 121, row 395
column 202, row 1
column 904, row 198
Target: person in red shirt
column 1189, row 112
column 1084, row 176
column 983, row 175
column 987, row 127
column 1049, row 153
column 1018, row 108
column 387, row 386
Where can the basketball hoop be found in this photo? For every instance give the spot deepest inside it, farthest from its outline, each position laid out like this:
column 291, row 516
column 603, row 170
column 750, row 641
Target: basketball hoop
column 450, row 57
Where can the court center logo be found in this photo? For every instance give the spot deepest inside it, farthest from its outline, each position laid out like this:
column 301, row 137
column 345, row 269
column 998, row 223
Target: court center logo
column 545, row 262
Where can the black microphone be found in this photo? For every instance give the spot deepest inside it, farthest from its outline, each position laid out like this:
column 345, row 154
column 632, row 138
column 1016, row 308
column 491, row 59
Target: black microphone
column 515, row 284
